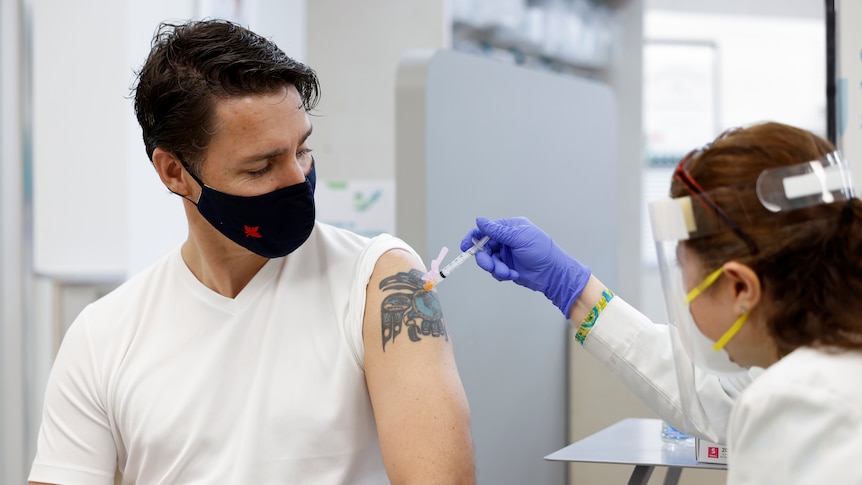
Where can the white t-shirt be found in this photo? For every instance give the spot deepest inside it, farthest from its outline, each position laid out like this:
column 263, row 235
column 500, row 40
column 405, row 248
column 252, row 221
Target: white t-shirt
column 173, row 383
column 800, row 422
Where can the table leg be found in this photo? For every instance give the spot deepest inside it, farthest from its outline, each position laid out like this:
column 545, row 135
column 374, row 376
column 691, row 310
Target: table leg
column 641, row 475
column 672, row 477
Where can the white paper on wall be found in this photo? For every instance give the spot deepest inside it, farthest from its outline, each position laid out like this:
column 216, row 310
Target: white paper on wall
column 364, row 206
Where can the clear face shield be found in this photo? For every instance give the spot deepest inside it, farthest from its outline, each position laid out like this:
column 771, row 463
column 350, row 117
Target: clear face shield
column 675, row 221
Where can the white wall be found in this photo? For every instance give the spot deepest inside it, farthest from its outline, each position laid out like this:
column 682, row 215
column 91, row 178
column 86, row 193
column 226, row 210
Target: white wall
column 355, row 48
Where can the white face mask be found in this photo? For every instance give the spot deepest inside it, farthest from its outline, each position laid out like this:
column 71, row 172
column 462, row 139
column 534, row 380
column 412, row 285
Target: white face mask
column 700, row 349
column 704, row 353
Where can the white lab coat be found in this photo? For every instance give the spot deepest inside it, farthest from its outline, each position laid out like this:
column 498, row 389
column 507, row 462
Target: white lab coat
column 800, row 422
column 639, row 353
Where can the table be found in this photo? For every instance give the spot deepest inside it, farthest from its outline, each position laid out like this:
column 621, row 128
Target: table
column 635, row 441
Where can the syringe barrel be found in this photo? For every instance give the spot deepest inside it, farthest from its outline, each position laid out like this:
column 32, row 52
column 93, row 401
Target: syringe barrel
column 458, row 261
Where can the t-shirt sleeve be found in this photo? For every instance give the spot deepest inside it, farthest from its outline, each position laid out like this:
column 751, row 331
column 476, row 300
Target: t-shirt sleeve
column 358, row 292
column 75, row 444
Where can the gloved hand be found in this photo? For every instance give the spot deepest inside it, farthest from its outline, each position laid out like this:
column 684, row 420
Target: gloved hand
column 519, row 251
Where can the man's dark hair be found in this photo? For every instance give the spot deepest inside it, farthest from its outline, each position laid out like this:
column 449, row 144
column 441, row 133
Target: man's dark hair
column 193, row 65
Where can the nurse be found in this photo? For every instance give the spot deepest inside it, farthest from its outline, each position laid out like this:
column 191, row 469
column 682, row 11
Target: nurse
column 759, row 248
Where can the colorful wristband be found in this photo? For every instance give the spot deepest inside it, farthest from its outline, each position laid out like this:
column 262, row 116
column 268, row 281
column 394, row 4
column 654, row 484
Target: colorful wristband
column 590, row 320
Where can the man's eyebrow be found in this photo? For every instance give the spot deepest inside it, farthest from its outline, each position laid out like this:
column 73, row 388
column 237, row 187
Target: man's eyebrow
column 264, row 156
column 307, row 134
column 277, row 152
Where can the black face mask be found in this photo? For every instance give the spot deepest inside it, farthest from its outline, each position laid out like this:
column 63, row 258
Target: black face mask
column 271, row 225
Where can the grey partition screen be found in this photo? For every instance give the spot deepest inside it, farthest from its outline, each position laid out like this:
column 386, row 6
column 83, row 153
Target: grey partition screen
column 479, row 137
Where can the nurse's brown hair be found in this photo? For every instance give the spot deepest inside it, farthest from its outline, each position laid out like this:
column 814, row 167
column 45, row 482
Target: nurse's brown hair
column 809, row 260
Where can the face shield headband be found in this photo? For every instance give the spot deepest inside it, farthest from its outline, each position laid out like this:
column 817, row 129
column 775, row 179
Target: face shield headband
column 778, row 190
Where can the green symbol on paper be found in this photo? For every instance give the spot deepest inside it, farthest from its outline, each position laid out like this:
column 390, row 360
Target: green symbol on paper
column 362, row 203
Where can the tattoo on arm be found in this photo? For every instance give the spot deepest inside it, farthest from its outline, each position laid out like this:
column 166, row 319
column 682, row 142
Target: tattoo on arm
column 410, row 305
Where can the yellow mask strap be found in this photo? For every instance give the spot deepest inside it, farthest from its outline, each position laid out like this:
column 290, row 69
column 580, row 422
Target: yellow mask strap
column 731, row 332
column 697, row 290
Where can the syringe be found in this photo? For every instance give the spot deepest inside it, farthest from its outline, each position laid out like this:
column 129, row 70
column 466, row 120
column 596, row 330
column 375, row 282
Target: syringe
column 455, row 263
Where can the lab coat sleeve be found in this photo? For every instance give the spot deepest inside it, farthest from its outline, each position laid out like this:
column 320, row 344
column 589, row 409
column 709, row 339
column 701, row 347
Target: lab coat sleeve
column 639, row 353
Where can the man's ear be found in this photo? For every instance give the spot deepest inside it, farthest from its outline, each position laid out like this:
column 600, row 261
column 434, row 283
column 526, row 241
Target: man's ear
column 172, row 173
column 747, row 288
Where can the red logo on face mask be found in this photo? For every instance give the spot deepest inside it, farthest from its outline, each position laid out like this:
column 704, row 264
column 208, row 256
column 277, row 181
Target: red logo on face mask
column 252, row 231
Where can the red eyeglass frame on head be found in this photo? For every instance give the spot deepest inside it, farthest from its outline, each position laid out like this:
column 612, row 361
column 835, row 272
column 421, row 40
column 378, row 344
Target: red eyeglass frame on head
column 682, row 175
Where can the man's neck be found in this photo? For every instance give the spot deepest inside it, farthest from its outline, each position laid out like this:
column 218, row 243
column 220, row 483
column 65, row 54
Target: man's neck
column 218, row 263
column 224, row 270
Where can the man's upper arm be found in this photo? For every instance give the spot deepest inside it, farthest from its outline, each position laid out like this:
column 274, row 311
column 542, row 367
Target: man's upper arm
column 423, row 419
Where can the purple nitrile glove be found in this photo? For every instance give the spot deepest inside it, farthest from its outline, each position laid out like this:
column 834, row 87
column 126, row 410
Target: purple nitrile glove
column 519, row 251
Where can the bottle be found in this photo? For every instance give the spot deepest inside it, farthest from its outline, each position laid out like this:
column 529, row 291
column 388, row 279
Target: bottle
column 671, row 434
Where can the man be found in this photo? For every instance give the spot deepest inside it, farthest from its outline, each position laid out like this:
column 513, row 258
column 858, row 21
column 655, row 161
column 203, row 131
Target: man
column 269, row 348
